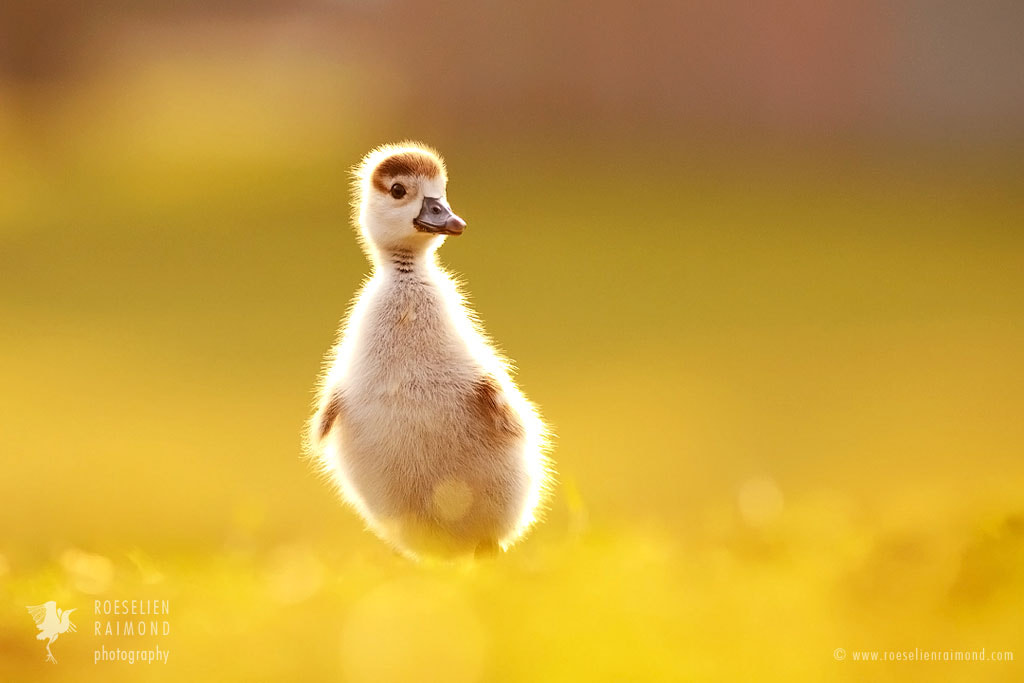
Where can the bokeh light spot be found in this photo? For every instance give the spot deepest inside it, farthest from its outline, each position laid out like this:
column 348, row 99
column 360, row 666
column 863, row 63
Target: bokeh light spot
column 452, row 499
column 294, row 573
column 90, row 573
column 760, row 501
column 413, row 630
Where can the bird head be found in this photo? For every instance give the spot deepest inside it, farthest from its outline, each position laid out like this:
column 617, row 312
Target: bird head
column 401, row 199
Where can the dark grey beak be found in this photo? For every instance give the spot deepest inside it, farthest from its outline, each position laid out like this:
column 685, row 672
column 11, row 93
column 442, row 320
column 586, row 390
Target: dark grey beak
column 438, row 219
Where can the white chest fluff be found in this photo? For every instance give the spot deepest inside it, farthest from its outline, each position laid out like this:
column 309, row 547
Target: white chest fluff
column 405, row 358
column 418, row 422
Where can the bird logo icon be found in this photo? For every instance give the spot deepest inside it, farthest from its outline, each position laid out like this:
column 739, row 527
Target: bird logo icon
column 51, row 622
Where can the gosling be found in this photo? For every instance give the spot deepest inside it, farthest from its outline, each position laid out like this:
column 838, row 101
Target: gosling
column 418, row 422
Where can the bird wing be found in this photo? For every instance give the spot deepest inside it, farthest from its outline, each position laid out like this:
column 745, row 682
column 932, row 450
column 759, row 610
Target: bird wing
column 329, row 412
column 496, row 415
column 44, row 615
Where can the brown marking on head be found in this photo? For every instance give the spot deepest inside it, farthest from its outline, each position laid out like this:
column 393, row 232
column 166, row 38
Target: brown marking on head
column 404, row 164
column 404, row 159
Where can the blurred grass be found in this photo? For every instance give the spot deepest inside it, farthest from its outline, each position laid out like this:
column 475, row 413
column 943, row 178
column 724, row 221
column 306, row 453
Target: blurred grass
column 787, row 386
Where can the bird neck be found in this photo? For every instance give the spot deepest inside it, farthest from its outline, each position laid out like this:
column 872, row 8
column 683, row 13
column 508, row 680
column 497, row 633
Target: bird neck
column 403, row 262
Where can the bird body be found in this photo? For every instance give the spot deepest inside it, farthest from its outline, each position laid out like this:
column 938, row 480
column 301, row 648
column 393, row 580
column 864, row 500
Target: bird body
column 419, row 422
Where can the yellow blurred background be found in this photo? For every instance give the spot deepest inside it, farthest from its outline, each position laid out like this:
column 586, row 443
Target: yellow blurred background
column 761, row 267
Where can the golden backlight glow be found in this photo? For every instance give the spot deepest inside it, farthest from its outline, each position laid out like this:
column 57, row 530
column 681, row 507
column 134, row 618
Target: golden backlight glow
column 766, row 288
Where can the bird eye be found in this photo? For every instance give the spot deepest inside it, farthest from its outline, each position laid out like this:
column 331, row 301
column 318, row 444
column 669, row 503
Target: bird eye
column 398, row 190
